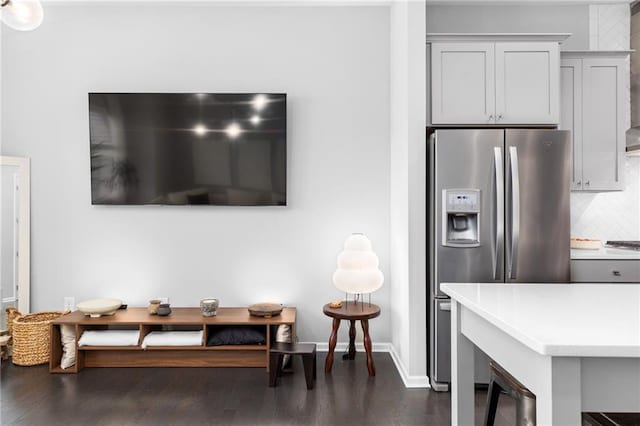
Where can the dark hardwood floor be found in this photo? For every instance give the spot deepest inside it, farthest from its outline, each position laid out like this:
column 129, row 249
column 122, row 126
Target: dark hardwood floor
column 234, row 396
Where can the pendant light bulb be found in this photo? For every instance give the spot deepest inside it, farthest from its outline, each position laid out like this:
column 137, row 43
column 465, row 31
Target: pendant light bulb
column 21, row 15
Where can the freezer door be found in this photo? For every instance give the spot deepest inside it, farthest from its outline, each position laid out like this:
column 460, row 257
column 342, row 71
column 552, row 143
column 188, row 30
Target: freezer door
column 467, row 160
column 537, row 205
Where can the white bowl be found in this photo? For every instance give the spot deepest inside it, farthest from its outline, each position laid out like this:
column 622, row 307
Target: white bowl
column 98, row 307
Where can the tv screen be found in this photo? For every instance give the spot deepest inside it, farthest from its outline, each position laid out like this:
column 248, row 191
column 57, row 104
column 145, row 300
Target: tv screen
column 188, row 148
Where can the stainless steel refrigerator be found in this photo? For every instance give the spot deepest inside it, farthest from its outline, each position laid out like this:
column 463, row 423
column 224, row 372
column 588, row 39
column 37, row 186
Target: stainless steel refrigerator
column 498, row 207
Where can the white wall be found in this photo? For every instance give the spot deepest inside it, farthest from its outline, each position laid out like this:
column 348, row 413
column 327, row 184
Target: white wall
column 333, row 62
column 408, row 191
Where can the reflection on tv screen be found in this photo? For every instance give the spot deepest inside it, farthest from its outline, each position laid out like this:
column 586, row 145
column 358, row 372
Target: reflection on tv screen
column 188, row 148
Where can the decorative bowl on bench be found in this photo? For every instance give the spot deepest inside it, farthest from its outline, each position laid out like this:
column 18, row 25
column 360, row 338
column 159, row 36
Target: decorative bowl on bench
column 266, row 310
column 98, row 307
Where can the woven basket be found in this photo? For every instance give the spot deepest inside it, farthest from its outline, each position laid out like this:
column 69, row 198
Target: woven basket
column 12, row 314
column 30, row 333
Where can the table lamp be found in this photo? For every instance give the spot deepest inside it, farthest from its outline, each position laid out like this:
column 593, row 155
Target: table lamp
column 358, row 272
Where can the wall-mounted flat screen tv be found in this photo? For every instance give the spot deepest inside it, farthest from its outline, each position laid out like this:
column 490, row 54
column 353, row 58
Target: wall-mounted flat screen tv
column 188, row 148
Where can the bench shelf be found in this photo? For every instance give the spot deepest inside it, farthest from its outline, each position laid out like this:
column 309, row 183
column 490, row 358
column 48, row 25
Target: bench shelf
column 167, row 356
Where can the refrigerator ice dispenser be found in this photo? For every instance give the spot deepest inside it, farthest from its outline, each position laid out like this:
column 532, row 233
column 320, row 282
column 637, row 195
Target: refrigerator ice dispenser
column 461, row 217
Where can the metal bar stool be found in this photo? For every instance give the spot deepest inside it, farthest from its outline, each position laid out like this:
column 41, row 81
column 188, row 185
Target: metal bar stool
column 610, row 419
column 501, row 381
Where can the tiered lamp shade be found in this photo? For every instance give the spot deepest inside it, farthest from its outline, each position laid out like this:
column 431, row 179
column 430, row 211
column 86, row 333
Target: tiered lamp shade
column 358, row 271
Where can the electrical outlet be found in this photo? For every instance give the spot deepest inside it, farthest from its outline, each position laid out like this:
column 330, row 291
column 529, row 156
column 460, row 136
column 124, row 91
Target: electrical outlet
column 69, row 303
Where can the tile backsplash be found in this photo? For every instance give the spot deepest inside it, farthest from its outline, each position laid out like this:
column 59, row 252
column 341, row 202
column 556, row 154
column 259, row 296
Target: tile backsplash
column 609, row 26
column 609, row 215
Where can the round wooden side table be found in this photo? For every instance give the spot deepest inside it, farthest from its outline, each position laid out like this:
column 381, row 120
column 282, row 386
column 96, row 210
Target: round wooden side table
column 352, row 311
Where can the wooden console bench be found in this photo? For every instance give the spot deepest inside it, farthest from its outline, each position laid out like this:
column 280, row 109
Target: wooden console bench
column 167, row 356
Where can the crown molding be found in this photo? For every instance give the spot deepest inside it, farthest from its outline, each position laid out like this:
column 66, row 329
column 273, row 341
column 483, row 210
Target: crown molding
column 496, row 37
column 595, row 53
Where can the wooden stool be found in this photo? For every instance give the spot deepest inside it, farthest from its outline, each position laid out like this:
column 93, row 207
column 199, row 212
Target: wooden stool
column 306, row 350
column 525, row 400
column 353, row 312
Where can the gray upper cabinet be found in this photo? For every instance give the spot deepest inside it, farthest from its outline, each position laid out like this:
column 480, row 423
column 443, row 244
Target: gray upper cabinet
column 593, row 93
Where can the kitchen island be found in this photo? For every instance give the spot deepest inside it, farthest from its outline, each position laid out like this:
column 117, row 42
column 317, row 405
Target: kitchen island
column 575, row 346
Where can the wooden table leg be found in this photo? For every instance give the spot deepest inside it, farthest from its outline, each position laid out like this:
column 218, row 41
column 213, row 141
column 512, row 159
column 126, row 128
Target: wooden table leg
column 367, row 347
column 333, row 339
column 352, row 339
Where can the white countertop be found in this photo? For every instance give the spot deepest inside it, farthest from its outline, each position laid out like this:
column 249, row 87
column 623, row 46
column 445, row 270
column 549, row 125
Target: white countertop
column 605, row 253
column 593, row 320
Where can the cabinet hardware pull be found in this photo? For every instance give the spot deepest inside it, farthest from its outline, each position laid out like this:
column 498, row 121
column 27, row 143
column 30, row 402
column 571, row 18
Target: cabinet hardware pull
column 490, row 117
column 616, row 273
column 587, row 183
column 499, row 116
column 579, row 182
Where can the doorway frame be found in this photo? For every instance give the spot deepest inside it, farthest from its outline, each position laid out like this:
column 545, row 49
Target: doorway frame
column 24, row 229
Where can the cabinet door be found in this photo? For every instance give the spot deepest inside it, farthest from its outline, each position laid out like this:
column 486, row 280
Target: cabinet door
column 462, row 83
column 571, row 113
column 527, row 83
column 603, row 115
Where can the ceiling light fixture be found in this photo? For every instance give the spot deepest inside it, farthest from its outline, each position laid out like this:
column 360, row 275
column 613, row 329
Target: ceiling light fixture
column 255, row 120
column 21, row 15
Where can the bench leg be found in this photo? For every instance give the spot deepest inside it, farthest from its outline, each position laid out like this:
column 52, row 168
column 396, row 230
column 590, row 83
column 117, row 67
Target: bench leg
column 309, row 362
column 493, row 393
column 275, row 368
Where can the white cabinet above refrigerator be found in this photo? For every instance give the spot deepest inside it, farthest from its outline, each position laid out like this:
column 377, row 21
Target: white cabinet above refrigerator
column 495, row 79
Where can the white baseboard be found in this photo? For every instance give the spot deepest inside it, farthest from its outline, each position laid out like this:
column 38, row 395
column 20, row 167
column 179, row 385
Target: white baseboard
column 409, row 381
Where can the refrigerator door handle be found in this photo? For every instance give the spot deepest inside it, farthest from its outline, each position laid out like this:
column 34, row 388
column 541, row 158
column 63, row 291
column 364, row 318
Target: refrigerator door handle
column 498, row 212
column 515, row 211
